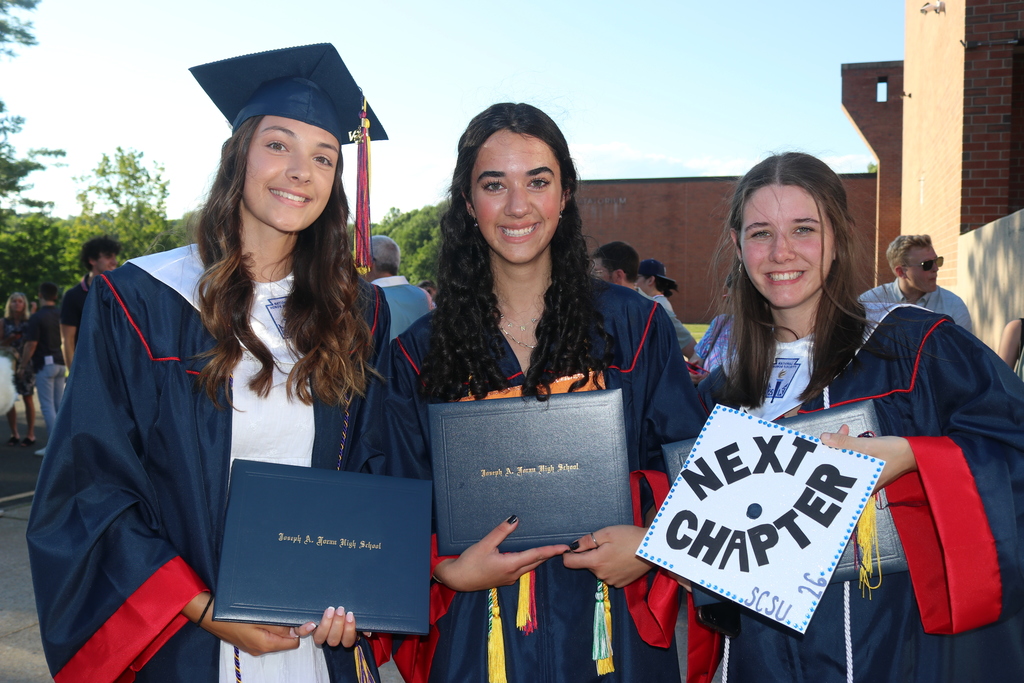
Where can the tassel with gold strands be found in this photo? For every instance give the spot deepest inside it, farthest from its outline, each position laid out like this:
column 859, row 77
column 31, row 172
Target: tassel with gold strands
column 867, row 544
column 526, row 613
column 362, row 237
column 363, row 672
column 495, row 641
column 602, row 652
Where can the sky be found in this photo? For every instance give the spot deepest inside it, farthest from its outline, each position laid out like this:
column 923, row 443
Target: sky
column 640, row 89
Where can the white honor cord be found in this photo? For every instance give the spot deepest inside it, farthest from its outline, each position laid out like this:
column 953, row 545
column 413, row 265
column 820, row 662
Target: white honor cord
column 846, row 596
column 725, row 660
column 846, row 632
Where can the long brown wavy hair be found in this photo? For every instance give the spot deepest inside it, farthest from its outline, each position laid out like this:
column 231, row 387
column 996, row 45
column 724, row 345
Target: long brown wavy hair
column 323, row 322
column 839, row 321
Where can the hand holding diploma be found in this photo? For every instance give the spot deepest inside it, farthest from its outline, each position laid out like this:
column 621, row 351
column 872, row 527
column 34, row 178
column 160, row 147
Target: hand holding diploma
column 482, row 565
column 610, row 554
column 335, row 628
column 894, row 450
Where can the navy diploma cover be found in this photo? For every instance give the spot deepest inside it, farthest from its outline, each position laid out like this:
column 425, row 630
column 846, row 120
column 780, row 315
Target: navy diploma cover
column 560, row 465
column 300, row 539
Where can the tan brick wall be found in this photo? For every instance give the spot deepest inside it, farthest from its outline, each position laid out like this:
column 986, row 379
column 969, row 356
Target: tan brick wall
column 679, row 221
column 933, row 129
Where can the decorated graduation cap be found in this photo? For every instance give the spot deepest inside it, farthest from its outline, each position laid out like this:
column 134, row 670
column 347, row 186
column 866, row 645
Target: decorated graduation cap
column 310, row 84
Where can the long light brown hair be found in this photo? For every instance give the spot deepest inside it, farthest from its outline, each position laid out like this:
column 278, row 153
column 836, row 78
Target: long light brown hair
column 323, row 321
column 839, row 320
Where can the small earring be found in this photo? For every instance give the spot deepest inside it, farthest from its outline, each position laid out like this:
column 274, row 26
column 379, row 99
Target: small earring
column 475, row 224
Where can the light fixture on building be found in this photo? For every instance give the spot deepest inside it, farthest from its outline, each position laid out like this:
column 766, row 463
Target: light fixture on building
column 937, row 7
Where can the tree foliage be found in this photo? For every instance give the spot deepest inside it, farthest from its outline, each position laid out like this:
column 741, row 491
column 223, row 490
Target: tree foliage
column 31, row 252
column 14, row 171
column 14, row 31
column 418, row 234
column 127, row 200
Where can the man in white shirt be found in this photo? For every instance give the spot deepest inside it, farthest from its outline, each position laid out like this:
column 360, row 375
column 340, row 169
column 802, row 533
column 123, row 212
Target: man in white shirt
column 407, row 302
column 916, row 266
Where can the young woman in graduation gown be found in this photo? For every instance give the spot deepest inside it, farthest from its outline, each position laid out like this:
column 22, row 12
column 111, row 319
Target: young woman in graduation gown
column 950, row 413
column 256, row 342
column 518, row 314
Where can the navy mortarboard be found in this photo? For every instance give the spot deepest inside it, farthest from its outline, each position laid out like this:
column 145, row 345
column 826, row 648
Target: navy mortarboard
column 309, row 84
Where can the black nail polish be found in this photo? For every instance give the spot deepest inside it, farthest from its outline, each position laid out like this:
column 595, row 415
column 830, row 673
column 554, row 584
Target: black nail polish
column 575, row 545
column 512, row 520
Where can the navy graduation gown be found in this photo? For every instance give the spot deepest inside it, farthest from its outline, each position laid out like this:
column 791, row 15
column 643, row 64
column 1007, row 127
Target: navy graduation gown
column 126, row 524
column 660, row 407
column 960, row 518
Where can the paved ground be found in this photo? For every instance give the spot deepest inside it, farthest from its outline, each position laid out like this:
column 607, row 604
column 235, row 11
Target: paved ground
column 21, row 655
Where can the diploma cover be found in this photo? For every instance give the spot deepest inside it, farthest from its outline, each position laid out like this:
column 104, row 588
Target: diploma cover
column 560, row 465
column 862, row 420
column 300, row 539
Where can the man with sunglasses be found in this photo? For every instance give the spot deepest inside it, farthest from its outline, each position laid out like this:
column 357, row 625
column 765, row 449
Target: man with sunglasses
column 916, row 266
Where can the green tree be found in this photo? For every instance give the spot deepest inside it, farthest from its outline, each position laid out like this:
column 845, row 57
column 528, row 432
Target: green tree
column 418, row 234
column 14, row 31
column 127, row 200
column 14, row 171
column 31, row 251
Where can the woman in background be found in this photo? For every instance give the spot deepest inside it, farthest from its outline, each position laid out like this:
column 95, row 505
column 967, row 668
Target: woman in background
column 15, row 321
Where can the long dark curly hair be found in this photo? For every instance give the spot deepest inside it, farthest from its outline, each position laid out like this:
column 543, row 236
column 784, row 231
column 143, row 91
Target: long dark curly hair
column 839, row 321
column 322, row 313
column 465, row 338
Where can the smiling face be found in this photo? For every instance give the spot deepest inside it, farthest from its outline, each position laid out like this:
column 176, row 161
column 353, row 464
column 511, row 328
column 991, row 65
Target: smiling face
column 787, row 249
column 516, row 197
column 290, row 170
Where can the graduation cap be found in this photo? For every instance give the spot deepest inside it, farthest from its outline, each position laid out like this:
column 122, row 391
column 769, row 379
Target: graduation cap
column 308, row 83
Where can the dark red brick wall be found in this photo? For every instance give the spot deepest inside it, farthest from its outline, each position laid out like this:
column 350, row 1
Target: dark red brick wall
column 989, row 138
column 880, row 124
column 679, row 221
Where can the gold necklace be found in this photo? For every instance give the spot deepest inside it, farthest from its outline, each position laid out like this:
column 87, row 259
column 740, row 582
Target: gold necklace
column 508, row 332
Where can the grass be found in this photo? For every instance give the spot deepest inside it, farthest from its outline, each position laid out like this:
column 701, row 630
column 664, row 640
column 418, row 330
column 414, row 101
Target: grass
column 696, row 329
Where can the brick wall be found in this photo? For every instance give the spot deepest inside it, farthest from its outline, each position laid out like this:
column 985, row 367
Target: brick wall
column 933, row 129
column 877, row 114
column 679, row 221
column 988, row 102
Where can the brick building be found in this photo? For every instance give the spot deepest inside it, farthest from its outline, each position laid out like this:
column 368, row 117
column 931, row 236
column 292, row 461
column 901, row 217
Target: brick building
column 679, row 221
column 961, row 161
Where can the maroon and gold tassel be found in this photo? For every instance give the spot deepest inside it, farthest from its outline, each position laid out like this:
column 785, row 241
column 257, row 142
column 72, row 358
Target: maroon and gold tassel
column 495, row 641
column 362, row 237
column 526, row 613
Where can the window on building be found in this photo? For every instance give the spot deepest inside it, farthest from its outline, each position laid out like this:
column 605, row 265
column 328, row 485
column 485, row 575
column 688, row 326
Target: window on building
column 882, row 89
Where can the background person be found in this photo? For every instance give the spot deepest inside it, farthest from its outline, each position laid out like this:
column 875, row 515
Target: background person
column 950, row 411
column 619, row 264
column 520, row 315
column 257, row 342
column 1011, row 344
column 42, row 357
column 98, row 255
column 15, row 323
column 407, row 302
column 916, row 266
